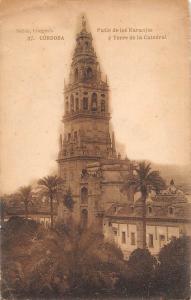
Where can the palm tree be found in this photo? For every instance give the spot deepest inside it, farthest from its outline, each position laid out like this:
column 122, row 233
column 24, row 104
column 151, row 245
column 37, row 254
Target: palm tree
column 25, row 194
column 144, row 180
column 50, row 187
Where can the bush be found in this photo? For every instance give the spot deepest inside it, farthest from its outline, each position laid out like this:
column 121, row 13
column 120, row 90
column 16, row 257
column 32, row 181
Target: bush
column 173, row 272
column 17, row 231
column 72, row 261
column 138, row 278
column 53, row 263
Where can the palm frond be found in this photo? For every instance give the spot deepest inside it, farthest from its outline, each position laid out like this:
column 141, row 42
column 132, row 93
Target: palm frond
column 25, row 193
column 50, row 185
column 156, row 181
column 143, row 170
column 144, row 180
column 43, row 181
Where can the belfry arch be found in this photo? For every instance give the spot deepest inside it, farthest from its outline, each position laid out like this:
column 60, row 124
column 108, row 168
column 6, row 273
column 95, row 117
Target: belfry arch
column 94, row 102
column 89, row 73
column 71, row 103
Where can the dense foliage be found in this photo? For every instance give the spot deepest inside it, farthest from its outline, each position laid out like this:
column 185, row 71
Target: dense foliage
column 138, row 278
column 69, row 261
column 173, row 273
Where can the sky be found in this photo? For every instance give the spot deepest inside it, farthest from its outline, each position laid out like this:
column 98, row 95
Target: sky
column 149, row 80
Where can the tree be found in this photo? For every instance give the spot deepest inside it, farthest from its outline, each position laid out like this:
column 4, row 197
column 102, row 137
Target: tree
column 68, row 200
column 93, row 264
column 25, row 194
column 65, row 262
column 138, row 280
column 50, row 187
column 144, row 180
column 173, row 273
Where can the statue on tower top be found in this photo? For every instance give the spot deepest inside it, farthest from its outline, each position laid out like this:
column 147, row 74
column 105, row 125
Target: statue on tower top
column 83, row 24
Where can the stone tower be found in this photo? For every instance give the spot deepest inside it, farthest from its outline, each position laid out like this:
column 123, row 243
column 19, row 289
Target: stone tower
column 86, row 138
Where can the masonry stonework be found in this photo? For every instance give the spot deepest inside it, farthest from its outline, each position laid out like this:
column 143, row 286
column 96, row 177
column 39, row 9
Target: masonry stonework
column 87, row 160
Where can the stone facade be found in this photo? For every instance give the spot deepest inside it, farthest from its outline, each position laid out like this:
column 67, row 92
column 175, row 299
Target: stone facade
column 87, row 159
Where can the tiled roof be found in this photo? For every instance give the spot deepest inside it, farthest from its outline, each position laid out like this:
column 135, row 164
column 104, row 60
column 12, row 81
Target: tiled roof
column 158, row 210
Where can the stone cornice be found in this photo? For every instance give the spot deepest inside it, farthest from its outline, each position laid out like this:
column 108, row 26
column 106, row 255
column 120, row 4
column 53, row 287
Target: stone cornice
column 117, row 218
column 87, row 115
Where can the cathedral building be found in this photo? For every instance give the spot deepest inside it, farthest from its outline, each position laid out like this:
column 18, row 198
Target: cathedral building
column 87, row 159
column 94, row 172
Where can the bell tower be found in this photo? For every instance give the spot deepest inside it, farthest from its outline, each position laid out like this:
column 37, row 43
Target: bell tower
column 86, row 135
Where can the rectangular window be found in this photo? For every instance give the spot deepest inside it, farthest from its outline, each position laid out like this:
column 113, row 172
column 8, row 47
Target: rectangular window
column 151, row 245
column 132, row 238
column 123, row 237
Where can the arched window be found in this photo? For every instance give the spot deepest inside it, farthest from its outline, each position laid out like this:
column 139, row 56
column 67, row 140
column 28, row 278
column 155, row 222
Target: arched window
column 86, row 45
column 94, row 102
column 71, row 103
column 77, row 104
column 150, row 210
column 102, row 105
column 84, row 195
column 67, row 107
column 171, row 210
column 89, row 73
column 76, row 75
column 85, row 103
column 84, row 218
column 75, row 136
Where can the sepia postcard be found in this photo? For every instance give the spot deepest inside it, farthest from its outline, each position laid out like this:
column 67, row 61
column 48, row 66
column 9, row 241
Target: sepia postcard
column 95, row 139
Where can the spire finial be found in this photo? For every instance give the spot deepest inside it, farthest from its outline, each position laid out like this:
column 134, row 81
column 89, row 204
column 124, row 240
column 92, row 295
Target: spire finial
column 83, row 23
